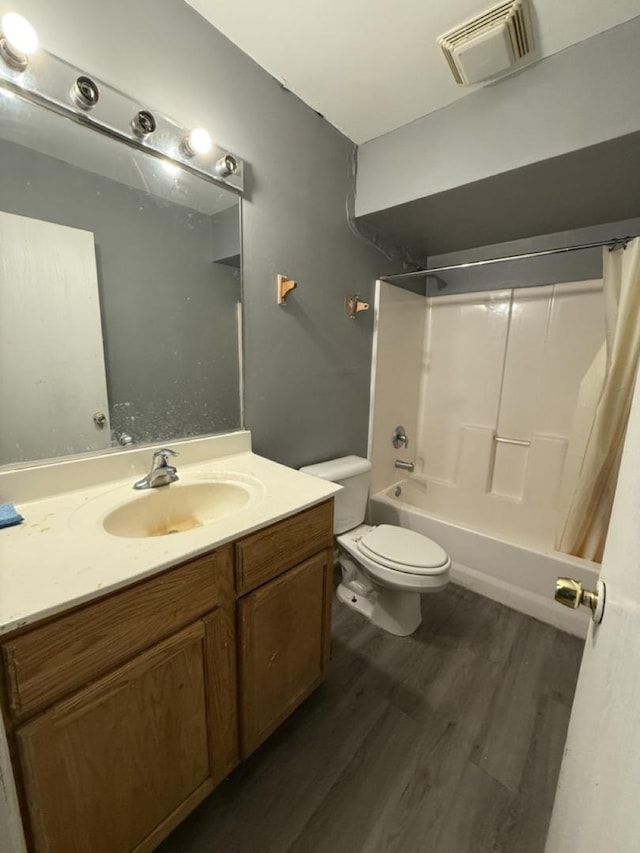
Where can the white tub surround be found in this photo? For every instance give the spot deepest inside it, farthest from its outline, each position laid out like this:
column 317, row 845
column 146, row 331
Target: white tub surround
column 61, row 556
column 520, row 577
column 491, row 388
column 499, row 392
column 399, row 322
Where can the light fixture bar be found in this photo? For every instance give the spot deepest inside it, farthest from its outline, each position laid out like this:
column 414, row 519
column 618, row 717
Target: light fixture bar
column 61, row 88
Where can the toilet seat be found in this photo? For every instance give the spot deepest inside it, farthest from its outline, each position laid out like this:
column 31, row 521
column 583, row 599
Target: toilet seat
column 394, row 581
column 403, row 550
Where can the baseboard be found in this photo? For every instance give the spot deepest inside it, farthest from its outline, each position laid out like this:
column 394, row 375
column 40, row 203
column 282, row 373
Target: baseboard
column 543, row 609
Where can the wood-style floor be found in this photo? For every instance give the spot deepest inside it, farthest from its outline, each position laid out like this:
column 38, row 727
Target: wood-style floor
column 448, row 741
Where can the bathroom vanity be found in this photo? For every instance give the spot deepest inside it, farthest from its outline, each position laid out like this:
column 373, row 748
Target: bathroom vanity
column 134, row 682
column 149, row 640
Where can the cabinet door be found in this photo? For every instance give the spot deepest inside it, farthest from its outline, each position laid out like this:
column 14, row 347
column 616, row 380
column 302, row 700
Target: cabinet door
column 284, row 635
column 116, row 766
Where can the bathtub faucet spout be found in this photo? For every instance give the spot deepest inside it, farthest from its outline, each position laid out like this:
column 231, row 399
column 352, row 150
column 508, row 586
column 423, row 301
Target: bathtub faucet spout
column 404, row 466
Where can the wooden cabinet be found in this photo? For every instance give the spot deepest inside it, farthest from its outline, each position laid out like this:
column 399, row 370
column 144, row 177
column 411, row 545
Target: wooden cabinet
column 123, row 714
column 281, row 546
column 113, row 767
column 51, row 660
column 284, row 577
column 283, row 637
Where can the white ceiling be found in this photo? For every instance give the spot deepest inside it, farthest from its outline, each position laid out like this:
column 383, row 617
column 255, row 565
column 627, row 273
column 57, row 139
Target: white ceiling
column 370, row 66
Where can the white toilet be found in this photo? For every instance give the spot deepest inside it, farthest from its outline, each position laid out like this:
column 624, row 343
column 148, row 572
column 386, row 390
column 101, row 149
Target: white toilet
column 385, row 569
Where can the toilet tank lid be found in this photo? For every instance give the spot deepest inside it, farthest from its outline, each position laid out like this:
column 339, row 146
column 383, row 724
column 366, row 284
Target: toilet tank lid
column 335, row 470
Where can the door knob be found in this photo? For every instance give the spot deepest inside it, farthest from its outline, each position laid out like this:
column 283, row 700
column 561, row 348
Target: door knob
column 572, row 593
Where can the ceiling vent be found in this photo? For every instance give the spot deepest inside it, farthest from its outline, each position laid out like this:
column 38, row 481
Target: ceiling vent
column 490, row 43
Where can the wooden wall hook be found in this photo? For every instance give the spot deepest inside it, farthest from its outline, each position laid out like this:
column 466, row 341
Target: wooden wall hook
column 285, row 286
column 353, row 306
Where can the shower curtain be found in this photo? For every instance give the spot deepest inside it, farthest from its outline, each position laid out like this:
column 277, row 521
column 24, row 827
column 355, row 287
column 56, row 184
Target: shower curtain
column 600, row 422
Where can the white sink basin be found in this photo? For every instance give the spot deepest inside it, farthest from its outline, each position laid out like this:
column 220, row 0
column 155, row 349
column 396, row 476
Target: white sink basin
column 177, row 508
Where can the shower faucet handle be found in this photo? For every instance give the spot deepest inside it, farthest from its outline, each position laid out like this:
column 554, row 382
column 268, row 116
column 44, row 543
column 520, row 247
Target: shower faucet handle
column 399, row 438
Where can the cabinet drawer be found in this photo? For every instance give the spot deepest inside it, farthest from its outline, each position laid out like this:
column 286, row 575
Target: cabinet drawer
column 46, row 663
column 271, row 551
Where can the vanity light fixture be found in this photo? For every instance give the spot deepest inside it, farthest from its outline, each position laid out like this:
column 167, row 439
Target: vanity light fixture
column 197, row 141
column 18, row 40
column 85, row 93
column 67, row 90
column 227, row 165
column 143, row 123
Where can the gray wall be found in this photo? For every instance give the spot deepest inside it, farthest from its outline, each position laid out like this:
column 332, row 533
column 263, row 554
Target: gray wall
column 168, row 312
column 307, row 365
column 582, row 96
column 600, row 183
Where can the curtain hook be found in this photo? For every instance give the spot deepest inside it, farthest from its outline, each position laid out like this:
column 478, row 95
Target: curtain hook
column 619, row 243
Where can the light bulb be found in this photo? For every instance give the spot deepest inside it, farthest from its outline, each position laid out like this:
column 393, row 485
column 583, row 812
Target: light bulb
column 20, row 36
column 197, row 142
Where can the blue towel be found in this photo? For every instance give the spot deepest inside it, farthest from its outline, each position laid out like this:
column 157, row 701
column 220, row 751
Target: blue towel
column 9, row 515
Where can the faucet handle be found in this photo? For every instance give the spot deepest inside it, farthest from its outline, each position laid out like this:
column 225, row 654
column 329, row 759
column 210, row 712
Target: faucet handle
column 164, row 453
column 399, row 438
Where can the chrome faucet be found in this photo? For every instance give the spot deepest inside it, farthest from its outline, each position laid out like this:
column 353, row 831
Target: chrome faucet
column 404, row 466
column 161, row 473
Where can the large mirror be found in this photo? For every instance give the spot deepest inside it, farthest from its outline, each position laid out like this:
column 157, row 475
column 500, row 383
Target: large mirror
column 120, row 293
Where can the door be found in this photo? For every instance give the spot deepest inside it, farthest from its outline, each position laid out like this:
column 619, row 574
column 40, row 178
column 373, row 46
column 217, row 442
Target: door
column 597, row 807
column 52, row 375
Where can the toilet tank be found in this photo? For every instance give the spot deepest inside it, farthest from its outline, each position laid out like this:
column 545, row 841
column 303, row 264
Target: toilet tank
column 353, row 473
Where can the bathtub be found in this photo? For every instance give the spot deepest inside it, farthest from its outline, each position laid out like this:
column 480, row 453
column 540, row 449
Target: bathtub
column 520, row 577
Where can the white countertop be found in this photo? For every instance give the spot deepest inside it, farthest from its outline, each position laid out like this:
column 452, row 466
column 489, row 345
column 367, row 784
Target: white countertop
column 61, row 555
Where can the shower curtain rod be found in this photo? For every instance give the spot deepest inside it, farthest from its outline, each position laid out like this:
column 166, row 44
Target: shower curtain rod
column 612, row 243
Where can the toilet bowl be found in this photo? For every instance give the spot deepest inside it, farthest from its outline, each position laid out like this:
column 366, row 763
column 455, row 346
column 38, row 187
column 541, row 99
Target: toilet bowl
column 385, row 568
